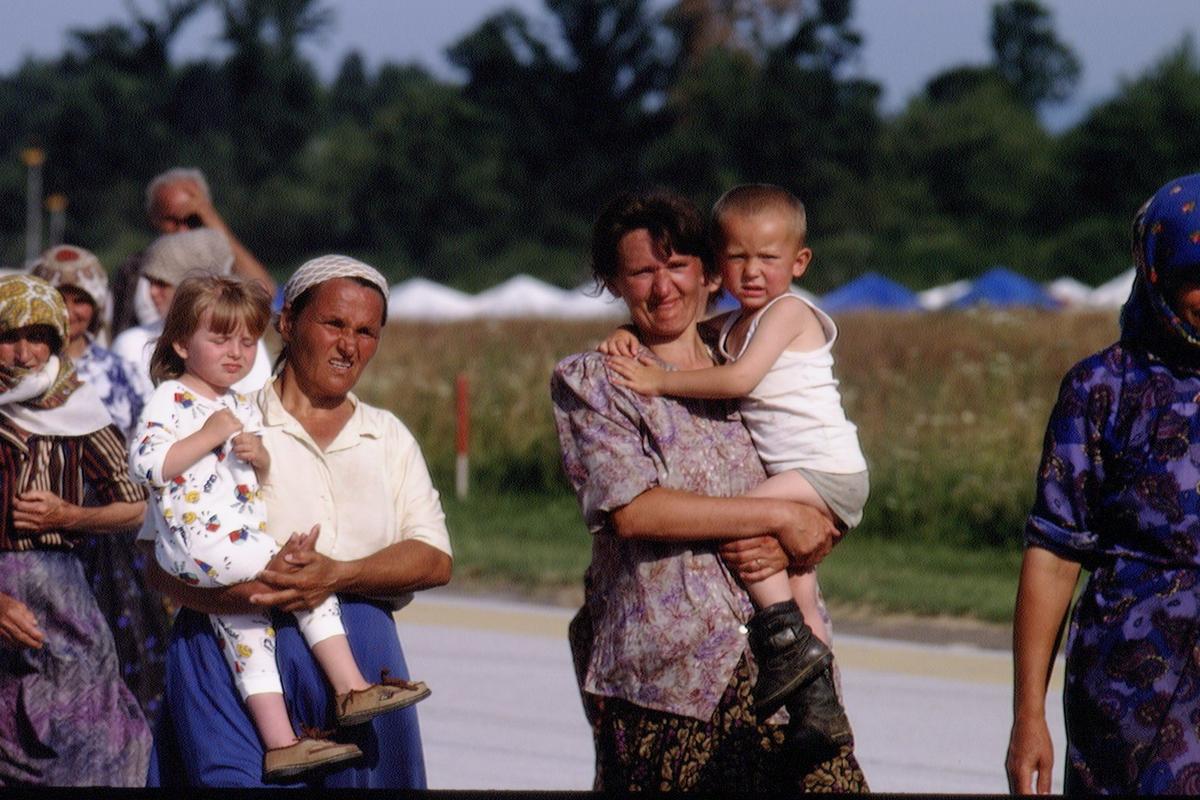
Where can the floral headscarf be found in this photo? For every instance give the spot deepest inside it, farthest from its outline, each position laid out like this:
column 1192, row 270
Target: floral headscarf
column 48, row 401
column 68, row 265
column 1166, row 252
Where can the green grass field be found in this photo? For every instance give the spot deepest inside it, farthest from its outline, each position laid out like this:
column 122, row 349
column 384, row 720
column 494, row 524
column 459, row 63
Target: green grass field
column 951, row 410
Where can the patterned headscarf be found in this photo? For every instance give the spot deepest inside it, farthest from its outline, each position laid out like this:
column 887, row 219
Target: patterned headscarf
column 50, row 401
column 67, row 265
column 1166, row 252
column 326, row 268
column 26, row 301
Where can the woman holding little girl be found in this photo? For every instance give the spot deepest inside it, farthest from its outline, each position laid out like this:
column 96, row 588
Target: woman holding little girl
column 350, row 477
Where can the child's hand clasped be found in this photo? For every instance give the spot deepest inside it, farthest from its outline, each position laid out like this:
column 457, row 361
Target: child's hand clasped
column 249, row 448
column 621, row 342
column 640, row 374
column 220, row 425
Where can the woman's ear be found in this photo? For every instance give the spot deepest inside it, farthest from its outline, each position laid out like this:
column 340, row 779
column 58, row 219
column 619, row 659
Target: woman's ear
column 284, row 323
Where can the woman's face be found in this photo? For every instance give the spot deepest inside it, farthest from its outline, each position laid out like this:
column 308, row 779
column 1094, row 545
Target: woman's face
column 1185, row 298
column 27, row 348
column 666, row 293
column 80, row 311
column 161, row 294
column 333, row 337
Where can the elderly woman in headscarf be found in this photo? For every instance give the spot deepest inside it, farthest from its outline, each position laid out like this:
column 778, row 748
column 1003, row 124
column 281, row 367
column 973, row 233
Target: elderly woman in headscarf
column 1119, row 495
column 168, row 260
column 83, row 283
column 352, row 480
column 115, row 568
column 67, row 719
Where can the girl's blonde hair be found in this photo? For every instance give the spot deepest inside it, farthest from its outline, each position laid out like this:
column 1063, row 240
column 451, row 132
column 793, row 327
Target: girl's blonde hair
column 231, row 302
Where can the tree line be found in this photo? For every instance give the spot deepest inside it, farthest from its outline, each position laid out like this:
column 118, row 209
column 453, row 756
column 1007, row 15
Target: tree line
column 501, row 169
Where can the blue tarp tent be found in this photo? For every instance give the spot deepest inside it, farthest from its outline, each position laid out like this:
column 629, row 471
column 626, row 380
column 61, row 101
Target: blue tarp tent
column 870, row 292
column 1004, row 288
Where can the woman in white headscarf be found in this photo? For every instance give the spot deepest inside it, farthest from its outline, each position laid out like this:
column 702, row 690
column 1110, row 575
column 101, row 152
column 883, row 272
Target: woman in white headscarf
column 169, row 259
column 354, row 475
column 67, row 719
column 114, row 566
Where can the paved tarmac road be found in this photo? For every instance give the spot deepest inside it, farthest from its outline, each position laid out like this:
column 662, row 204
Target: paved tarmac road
column 505, row 713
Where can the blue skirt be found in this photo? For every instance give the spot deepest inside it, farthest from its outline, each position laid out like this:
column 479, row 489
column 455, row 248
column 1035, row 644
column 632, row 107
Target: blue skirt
column 205, row 736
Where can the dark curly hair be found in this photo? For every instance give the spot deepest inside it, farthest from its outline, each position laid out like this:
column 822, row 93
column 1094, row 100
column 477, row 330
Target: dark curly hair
column 674, row 223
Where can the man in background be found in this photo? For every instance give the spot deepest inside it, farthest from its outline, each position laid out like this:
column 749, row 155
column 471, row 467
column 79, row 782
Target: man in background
column 176, row 200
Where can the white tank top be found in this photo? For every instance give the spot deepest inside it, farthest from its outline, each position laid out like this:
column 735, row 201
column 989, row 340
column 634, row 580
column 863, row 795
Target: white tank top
column 795, row 414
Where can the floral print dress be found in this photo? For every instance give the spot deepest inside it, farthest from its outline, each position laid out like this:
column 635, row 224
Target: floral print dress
column 1119, row 492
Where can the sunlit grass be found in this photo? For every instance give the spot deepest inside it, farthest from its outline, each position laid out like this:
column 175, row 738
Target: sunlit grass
column 951, row 410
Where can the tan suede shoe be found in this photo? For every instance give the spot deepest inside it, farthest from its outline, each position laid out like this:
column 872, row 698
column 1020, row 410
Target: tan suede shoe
column 306, row 754
column 357, row 707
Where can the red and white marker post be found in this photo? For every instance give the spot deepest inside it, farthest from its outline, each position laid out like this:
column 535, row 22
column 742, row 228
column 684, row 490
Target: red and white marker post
column 462, row 435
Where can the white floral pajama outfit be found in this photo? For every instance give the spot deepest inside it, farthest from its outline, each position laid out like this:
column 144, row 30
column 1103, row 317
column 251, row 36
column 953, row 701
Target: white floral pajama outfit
column 211, row 526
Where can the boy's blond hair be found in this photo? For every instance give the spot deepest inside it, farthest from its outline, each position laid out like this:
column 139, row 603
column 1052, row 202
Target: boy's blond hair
column 755, row 198
column 231, row 301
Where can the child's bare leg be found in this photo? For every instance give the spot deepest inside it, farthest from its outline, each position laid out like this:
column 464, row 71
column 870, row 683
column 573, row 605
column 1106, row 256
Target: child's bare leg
column 790, row 485
column 338, row 664
column 803, row 586
column 271, row 719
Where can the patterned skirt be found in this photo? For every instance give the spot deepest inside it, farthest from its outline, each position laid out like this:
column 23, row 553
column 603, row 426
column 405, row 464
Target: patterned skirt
column 66, row 717
column 642, row 749
column 136, row 614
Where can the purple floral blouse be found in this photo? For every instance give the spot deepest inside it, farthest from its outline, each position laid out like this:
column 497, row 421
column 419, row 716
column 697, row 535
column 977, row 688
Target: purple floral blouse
column 667, row 617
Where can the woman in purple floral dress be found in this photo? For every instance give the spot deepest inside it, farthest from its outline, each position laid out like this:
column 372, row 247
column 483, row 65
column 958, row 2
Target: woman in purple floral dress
column 1119, row 495
column 660, row 645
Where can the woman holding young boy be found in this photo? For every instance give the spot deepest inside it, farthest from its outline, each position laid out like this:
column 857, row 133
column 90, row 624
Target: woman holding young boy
column 660, row 644
column 355, row 476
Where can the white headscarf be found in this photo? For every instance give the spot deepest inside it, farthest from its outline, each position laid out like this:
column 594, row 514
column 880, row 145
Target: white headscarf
column 326, row 268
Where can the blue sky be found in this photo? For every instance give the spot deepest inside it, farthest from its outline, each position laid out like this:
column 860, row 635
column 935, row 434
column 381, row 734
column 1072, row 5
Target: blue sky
column 907, row 41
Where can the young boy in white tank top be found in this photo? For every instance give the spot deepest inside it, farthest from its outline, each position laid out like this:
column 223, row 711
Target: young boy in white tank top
column 777, row 358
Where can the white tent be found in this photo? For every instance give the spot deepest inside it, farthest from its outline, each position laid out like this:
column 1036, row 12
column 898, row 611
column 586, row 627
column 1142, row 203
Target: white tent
column 583, row 303
column 423, row 299
column 1069, row 292
column 522, row 296
column 942, row 296
column 1114, row 293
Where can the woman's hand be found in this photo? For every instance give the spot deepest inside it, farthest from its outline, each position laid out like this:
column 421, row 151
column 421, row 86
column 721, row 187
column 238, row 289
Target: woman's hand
column 18, row 625
column 641, row 375
column 1030, row 752
column 302, row 578
column 806, row 535
column 751, row 560
column 40, row 510
column 621, row 342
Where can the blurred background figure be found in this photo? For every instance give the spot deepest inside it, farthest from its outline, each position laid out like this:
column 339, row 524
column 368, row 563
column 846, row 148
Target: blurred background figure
column 164, row 264
column 176, row 200
column 139, row 621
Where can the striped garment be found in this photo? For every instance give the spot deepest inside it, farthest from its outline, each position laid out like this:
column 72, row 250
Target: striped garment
column 67, row 466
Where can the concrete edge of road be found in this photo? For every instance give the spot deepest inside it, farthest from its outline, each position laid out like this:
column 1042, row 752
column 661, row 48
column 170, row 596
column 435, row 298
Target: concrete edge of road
column 855, row 651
